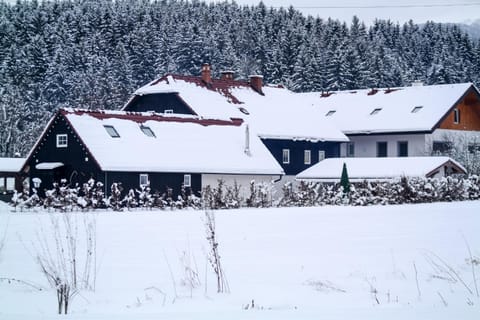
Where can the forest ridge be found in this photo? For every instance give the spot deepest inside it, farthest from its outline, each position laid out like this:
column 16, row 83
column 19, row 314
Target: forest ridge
column 94, row 54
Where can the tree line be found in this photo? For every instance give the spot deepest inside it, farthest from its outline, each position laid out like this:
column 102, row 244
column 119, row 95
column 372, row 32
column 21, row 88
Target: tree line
column 94, row 53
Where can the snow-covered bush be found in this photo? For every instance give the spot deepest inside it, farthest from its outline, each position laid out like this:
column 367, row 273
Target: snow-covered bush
column 261, row 195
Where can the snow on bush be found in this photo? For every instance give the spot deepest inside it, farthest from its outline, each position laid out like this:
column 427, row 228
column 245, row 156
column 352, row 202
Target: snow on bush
column 304, row 194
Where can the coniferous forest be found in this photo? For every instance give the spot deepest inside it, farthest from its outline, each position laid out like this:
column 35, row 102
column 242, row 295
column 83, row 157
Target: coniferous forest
column 95, row 53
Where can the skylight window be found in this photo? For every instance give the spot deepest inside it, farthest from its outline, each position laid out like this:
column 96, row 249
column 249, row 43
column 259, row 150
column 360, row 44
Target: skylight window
column 375, row 111
column 147, row 131
column 416, row 109
column 112, row 132
column 244, row 111
column 330, row 113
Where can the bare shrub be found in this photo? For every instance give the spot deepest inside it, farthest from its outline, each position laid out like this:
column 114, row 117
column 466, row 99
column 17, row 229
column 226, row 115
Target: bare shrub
column 214, row 255
column 66, row 258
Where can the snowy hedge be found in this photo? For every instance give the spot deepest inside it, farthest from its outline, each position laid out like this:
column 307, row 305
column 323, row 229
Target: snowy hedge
column 414, row 190
column 91, row 195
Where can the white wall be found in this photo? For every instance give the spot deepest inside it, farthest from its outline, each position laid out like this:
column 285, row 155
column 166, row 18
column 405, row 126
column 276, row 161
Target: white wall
column 366, row 146
column 242, row 180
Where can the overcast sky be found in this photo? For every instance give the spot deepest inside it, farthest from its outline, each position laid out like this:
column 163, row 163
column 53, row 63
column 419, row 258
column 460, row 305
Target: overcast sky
column 465, row 11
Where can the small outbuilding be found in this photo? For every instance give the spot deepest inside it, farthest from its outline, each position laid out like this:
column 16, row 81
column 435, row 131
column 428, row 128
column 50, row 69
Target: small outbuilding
column 381, row 169
column 10, row 179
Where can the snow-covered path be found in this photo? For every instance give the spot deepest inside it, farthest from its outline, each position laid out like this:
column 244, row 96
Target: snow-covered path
column 294, row 263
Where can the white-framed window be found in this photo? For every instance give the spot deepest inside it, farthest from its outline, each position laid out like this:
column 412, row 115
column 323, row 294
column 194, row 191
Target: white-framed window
column 350, row 149
column 62, row 140
column 187, row 180
column 144, row 180
column 321, row 155
column 307, row 157
column 10, row 183
column 286, row 156
column 168, row 111
column 112, row 131
column 456, row 116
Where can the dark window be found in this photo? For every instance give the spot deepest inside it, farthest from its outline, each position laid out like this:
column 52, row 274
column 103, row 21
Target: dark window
column 112, row 131
column 416, row 109
column 329, row 113
column 456, row 115
column 147, row 131
column 381, row 149
column 474, row 147
column 243, row 110
column 441, row 147
column 351, row 149
column 402, row 149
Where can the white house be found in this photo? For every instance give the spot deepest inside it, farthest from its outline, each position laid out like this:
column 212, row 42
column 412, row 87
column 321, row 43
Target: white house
column 408, row 121
column 380, row 169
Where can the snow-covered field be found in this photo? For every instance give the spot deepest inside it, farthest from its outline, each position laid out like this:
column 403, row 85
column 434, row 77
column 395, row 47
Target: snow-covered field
column 294, row 263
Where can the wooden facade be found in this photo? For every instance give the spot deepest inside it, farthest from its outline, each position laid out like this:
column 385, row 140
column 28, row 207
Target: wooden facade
column 465, row 115
column 296, row 150
column 77, row 165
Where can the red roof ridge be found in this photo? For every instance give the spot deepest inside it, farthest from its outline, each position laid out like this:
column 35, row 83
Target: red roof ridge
column 141, row 117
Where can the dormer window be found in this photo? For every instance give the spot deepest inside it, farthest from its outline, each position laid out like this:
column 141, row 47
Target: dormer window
column 416, row 109
column 168, row 111
column 112, row 131
column 147, row 131
column 330, row 113
column 375, row 111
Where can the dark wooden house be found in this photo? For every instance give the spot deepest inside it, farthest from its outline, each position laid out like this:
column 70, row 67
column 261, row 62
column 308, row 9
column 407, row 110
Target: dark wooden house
column 139, row 149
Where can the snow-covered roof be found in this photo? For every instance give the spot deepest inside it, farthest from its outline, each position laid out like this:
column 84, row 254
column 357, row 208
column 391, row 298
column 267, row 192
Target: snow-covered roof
column 360, row 169
column 178, row 145
column 11, row 164
column 353, row 111
column 277, row 113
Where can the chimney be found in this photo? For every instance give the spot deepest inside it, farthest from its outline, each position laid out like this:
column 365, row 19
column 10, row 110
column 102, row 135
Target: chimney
column 206, row 73
column 227, row 75
column 247, row 141
column 417, row 83
column 256, row 82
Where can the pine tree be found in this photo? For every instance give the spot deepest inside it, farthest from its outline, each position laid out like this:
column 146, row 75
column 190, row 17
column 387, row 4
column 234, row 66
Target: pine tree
column 344, row 181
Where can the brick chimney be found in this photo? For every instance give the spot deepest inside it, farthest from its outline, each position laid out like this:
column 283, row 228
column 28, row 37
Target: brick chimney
column 256, row 82
column 206, row 73
column 227, row 75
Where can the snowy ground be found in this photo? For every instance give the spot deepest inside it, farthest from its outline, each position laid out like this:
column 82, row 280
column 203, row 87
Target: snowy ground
column 295, row 263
